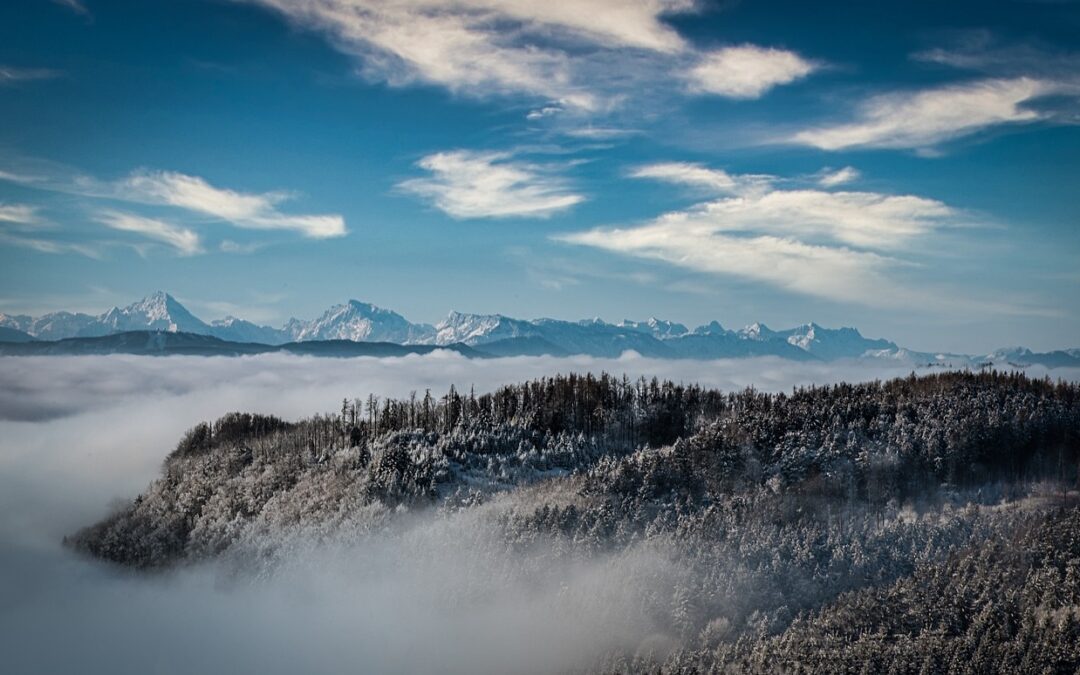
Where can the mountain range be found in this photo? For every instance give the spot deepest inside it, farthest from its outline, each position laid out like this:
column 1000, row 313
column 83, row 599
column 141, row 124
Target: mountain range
column 340, row 328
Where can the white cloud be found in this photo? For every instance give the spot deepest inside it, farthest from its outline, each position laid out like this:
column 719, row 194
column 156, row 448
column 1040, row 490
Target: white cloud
column 20, row 225
column 467, row 184
column 19, row 214
column 839, row 177
column 13, row 75
column 256, row 211
column 864, row 219
column 746, row 71
column 926, row 118
column 587, row 55
column 50, row 246
column 546, row 111
column 812, row 242
column 183, row 240
column 76, row 6
column 599, row 133
column 487, row 46
column 835, row 273
column 246, row 210
column 696, row 175
column 687, row 174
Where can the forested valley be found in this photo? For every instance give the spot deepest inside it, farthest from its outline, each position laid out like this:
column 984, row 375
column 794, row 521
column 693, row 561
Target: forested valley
column 920, row 525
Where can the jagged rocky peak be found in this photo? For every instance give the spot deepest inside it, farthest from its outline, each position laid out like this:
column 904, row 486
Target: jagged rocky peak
column 757, row 331
column 658, row 328
column 475, row 329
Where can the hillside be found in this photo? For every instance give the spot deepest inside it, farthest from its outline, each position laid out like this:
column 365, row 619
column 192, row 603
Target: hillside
column 773, row 523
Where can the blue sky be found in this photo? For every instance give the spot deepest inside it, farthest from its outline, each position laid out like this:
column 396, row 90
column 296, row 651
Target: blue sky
column 911, row 169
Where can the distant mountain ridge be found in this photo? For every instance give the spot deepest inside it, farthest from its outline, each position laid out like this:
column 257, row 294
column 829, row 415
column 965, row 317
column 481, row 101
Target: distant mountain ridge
column 488, row 334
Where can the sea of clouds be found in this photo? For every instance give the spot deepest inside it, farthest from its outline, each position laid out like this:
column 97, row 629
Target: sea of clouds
column 80, row 434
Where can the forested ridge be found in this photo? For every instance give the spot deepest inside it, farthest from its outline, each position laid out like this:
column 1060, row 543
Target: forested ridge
column 924, row 524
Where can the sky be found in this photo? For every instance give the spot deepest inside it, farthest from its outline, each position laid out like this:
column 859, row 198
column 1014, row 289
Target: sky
column 909, row 168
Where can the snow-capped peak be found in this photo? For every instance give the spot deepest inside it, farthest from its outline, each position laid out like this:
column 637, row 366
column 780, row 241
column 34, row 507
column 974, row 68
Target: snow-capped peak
column 476, row 329
column 661, row 329
column 158, row 311
column 361, row 322
column 756, row 331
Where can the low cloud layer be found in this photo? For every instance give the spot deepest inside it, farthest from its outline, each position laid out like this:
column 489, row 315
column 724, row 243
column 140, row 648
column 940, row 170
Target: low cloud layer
column 78, row 433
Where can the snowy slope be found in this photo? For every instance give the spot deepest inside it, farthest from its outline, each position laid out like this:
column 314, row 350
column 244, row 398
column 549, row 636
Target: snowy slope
column 362, row 322
column 358, row 321
column 833, row 343
column 238, row 330
column 658, row 328
column 159, row 312
column 477, row 329
column 52, row 326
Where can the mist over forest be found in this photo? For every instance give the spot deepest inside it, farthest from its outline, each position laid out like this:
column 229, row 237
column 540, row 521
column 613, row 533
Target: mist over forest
column 523, row 522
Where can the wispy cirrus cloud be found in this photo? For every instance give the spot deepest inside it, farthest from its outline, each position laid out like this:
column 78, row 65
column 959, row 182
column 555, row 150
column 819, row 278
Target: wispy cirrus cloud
column 183, row 240
column 467, row 184
column 21, row 225
column 20, row 214
column 52, row 246
column 923, row 119
column 828, row 272
column 76, row 6
column 746, row 71
column 838, row 245
column 481, row 47
column 13, row 75
column 194, row 197
column 582, row 56
column 247, row 210
column 984, row 51
column 698, row 176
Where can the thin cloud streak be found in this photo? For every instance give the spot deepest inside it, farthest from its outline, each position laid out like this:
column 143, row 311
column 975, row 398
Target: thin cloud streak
column 76, row 6
column 924, row 119
column 840, row 246
column 192, row 194
column 50, row 246
column 244, row 210
column 185, row 241
column 20, row 214
column 839, row 177
column 10, row 75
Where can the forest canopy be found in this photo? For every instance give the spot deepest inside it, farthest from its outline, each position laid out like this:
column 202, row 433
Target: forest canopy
column 836, row 515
